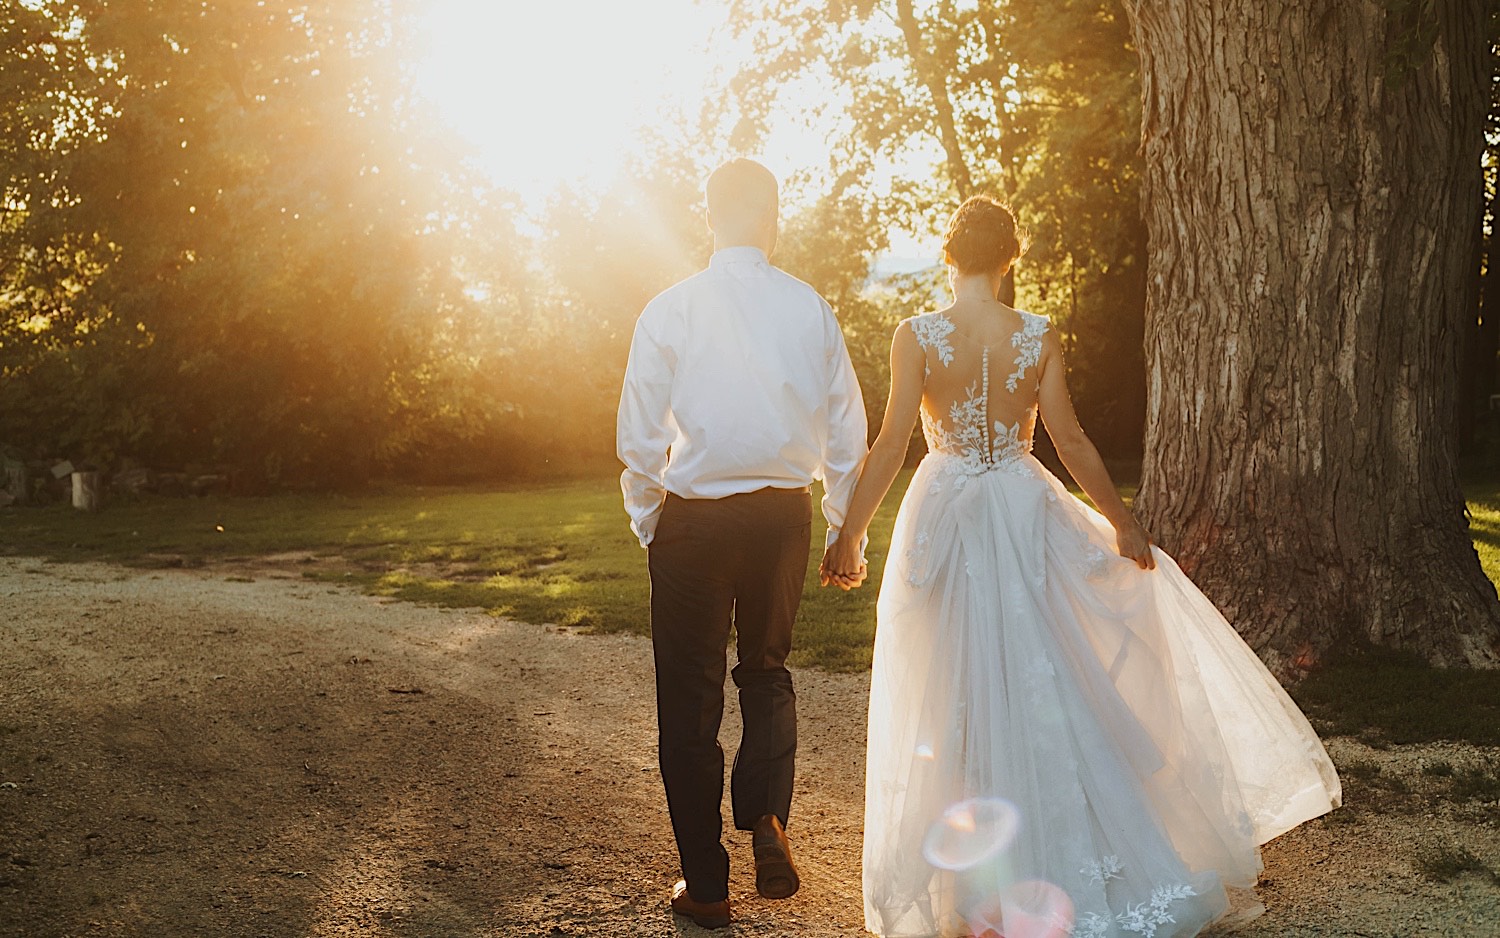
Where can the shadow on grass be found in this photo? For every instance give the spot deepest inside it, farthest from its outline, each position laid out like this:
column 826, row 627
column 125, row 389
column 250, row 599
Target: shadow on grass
column 1392, row 698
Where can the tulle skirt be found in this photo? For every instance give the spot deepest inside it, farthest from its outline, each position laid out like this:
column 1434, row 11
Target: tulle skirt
column 1060, row 743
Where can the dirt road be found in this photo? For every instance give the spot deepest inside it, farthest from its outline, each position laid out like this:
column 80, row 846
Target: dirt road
column 243, row 752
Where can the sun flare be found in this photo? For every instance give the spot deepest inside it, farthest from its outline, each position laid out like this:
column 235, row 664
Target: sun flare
column 551, row 93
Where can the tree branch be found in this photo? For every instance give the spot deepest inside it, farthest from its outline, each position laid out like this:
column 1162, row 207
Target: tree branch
column 942, row 104
column 989, row 25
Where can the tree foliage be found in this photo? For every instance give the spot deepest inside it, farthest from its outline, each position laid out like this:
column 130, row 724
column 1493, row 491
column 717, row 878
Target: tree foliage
column 1035, row 102
column 243, row 249
column 233, row 236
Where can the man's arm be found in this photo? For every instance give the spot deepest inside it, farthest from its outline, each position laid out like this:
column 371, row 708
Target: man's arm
column 846, row 447
column 644, row 429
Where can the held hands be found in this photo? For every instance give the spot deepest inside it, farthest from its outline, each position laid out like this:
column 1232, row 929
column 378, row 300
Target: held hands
column 1132, row 541
column 843, row 565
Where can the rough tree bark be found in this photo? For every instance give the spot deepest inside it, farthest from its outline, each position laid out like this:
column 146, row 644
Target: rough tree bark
column 1312, row 176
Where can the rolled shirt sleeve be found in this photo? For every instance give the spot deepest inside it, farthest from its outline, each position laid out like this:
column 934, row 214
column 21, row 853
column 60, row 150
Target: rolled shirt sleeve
column 846, row 443
column 644, row 428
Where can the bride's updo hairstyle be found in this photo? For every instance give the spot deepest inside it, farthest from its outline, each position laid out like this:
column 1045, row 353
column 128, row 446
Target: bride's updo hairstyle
column 983, row 236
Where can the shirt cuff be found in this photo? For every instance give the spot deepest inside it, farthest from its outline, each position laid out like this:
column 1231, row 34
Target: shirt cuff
column 645, row 528
column 833, row 535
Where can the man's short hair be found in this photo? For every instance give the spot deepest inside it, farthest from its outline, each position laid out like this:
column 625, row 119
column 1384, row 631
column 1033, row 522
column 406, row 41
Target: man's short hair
column 741, row 188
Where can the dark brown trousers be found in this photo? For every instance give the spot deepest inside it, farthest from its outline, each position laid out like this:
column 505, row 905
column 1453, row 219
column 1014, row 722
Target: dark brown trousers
column 739, row 561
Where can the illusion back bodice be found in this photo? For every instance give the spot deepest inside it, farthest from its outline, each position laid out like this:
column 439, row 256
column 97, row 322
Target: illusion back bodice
column 979, row 401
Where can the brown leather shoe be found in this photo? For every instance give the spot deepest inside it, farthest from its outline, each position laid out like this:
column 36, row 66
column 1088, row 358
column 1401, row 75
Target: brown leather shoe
column 703, row 914
column 775, row 873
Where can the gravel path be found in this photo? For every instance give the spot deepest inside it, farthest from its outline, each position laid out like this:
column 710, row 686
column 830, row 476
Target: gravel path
column 243, row 752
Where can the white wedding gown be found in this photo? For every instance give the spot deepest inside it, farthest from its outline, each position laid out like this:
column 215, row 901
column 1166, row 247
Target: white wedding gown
column 1060, row 743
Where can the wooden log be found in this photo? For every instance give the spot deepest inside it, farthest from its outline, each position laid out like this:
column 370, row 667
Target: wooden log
column 87, row 491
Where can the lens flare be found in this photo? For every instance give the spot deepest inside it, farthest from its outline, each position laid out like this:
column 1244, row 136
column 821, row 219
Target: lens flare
column 1032, row 908
column 971, row 832
column 925, row 753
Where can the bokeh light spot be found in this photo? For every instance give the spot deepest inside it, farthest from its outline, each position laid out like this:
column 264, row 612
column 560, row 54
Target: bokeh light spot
column 1032, row 908
column 971, row 832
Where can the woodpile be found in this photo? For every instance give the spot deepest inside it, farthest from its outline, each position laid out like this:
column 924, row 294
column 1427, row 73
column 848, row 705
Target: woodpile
column 42, row 482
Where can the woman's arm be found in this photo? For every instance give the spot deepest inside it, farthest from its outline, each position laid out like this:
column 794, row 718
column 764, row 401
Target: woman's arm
column 1078, row 453
column 843, row 560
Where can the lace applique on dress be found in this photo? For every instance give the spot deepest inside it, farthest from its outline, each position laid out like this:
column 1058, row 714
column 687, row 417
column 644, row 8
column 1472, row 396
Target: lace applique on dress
column 1038, row 675
column 967, row 419
column 1144, row 918
column 1095, row 561
column 1007, row 444
column 1092, row 925
column 932, row 332
column 979, row 449
column 978, row 443
column 1102, row 871
column 1029, row 341
column 916, row 557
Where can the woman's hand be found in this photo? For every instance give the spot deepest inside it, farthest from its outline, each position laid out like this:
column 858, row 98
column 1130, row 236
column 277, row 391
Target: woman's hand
column 1132, row 541
column 843, row 565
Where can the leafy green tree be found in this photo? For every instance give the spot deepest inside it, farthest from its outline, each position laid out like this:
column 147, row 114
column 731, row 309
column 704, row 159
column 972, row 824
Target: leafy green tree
column 606, row 255
column 1482, row 342
column 1035, row 102
column 250, row 252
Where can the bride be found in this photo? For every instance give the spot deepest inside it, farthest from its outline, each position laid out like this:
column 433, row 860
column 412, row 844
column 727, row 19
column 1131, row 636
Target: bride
column 1066, row 738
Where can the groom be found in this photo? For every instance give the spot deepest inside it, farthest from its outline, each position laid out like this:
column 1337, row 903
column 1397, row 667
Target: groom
column 739, row 393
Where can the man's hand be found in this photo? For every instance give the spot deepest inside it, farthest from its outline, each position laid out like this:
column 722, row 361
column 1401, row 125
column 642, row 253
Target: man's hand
column 844, row 581
column 843, row 565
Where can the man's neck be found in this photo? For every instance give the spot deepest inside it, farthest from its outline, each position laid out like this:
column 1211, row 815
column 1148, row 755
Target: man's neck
column 725, row 244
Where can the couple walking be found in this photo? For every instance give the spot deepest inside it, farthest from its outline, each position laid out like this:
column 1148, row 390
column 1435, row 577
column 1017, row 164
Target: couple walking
column 1065, row 736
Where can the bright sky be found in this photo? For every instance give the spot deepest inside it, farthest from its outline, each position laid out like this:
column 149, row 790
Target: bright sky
column 554, row 91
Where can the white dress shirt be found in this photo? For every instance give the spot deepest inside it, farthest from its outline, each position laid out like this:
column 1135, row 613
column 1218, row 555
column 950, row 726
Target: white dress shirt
column 738, row 380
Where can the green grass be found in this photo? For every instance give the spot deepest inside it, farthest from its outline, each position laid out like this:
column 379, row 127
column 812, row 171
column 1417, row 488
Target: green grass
column 540, row 553
column 558, row 553
column 563, row 553
column 1484, row 524
column 1390, row 698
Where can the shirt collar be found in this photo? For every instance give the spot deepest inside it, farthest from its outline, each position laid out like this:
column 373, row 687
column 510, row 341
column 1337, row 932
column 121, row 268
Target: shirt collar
column 743, row 254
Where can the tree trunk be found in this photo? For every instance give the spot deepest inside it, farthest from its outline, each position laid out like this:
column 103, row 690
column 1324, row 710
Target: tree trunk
column 936, row 83
column 1312, row 174
column 1005, row 166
